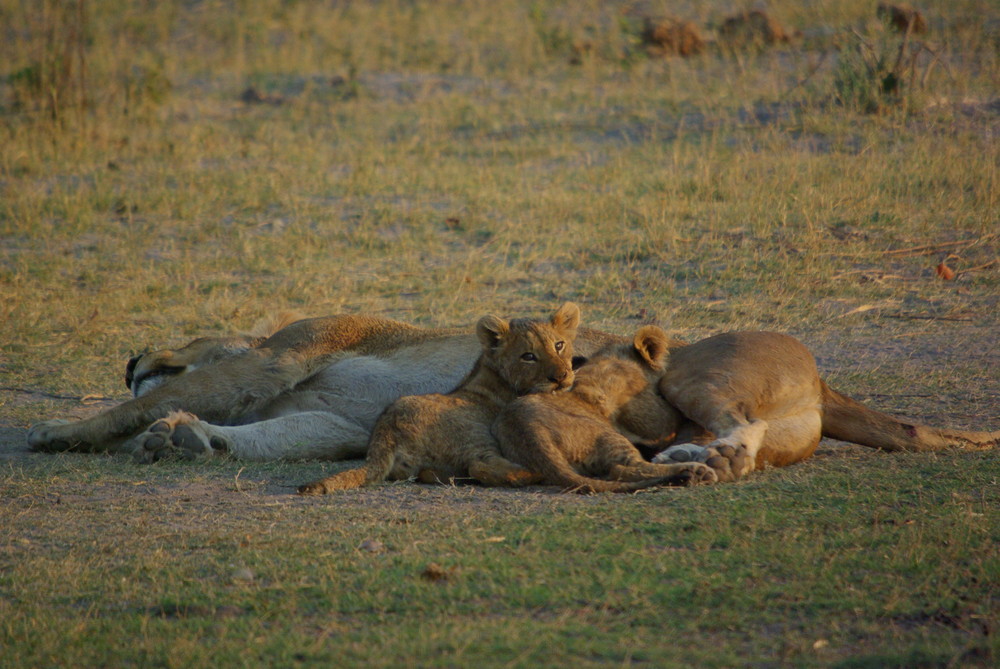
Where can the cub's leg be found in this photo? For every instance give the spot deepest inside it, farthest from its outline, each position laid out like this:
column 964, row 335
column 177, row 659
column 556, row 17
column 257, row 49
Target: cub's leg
column 623, row 462
column 680, row 474
column 496, row 471
column 492, row 474
column 302, row 436
column 395, row 450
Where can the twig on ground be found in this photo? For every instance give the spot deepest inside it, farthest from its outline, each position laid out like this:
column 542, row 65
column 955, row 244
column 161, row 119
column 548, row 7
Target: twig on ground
column 870, row 274
column 979, row 267
column 930, row 249
column 809, row 75
column 78, row 398
column 922, row 317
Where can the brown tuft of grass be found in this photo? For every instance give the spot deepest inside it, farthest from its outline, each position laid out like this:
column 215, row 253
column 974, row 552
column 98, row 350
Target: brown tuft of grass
column 672, row 36
column 902, row 17
column 752, row 28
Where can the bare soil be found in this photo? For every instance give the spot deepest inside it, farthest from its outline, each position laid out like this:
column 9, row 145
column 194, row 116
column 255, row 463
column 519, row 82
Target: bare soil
column 918, row 356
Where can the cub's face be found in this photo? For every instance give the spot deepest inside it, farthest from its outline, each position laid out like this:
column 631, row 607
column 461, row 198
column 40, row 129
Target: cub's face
column 532, row 356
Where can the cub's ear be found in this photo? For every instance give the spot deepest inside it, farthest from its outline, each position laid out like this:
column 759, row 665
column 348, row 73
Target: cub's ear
column 567, row 317
column 491, row 330
column 651, row 343
column 578, row 362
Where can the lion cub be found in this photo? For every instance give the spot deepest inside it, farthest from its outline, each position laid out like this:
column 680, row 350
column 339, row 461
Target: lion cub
column 439, row 437
column 570, row 438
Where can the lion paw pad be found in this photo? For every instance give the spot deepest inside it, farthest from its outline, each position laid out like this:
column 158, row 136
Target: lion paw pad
column 729, row 462
column 179, row 435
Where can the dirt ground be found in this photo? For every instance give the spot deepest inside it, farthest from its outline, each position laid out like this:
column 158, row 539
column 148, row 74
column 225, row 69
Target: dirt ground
column 944, row 374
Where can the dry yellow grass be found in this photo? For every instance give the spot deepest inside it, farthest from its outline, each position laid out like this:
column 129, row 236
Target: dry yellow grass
column 433, row 161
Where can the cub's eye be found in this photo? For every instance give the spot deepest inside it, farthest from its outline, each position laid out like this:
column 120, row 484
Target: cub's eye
column 529, row 357
column 560, row 345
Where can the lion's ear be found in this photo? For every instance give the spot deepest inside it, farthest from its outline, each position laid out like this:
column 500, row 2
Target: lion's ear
column 567, row 317
column 491, row 330
column 651, row 343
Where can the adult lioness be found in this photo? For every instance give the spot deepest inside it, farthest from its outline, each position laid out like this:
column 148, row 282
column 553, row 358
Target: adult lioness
column 569, row 438
column 313, row 388
column 448, row 436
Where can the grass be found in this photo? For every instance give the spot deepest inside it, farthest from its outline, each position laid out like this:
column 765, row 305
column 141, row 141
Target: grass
column 431, row 162
column 837, row 560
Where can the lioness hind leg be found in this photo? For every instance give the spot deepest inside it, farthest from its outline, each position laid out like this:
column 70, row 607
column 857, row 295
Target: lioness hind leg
column 179, row 435
column 732, row 455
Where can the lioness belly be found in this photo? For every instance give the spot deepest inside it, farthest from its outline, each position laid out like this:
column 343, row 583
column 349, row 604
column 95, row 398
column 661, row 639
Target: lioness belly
column 360, row 388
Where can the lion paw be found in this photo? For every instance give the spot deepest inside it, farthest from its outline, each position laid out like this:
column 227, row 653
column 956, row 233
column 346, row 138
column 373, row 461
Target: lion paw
column 52, row 436
column 179, row 435
column 730, row 462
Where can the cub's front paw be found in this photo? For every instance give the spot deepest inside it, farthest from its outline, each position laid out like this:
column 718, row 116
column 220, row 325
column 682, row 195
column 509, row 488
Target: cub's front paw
column 691, row 473
column 180, row 435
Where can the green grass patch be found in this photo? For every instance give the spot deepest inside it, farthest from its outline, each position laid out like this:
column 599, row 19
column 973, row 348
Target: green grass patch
column 176, row 170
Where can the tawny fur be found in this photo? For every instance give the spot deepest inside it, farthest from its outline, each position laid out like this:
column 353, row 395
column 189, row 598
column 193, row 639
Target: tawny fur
column 448, row 436
column 568, row 439
column 315, row 388
column 761, row 391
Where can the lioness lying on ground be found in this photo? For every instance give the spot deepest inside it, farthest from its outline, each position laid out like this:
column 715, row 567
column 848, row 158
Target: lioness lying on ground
column 570, row 438
column 444, row 437
column 313, row 388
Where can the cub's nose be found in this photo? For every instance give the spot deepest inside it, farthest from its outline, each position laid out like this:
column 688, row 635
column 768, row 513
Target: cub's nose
column 562, row 379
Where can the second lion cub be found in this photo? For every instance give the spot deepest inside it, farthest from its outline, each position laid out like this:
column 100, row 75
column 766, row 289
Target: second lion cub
column 570, row 438
column 439, row 437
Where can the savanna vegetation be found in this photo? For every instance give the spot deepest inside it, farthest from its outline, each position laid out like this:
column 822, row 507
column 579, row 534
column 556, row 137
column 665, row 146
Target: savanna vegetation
column 180, row 168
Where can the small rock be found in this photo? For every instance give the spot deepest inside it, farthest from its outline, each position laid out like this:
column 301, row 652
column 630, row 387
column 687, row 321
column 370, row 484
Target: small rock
column 372, row 546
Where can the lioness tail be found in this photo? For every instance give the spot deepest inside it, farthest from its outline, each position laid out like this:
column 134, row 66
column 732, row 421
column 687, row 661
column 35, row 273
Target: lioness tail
column 848, row 420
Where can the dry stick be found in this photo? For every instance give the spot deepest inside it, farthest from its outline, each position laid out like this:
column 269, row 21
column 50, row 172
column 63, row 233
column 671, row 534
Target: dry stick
column 81, row 20
column 934, row 61
column 899, row 54
column 917, row 317
column 979, row 267
column 29, row 391
column 930, row 249
column 880, row 273
column 809, row 75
